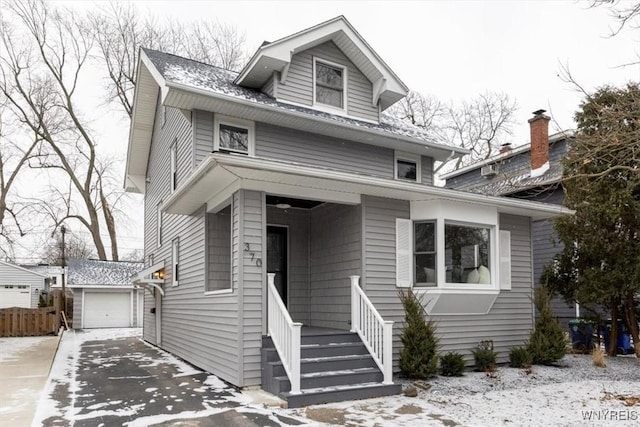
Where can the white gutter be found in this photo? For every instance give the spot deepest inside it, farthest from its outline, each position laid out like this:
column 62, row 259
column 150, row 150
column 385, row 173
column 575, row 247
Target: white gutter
column 417, row 191
column 305, row 116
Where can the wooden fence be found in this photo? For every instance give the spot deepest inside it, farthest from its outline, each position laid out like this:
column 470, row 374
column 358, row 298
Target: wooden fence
column 28, row 322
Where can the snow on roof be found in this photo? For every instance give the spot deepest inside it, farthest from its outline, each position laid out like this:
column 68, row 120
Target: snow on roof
column 210, row 78
column 93, row 272
column 520, row 181
column 47, row 270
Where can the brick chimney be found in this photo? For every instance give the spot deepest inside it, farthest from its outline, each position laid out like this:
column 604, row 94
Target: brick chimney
column 539, row 125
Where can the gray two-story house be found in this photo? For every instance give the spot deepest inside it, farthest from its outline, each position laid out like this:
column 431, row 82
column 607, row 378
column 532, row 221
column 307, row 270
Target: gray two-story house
column 284, row 212
column 530, row 172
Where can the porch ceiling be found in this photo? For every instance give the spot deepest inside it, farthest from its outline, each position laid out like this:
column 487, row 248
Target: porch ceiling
column 220, row 175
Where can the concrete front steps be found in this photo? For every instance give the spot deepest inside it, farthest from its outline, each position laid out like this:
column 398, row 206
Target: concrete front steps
column 334, row 366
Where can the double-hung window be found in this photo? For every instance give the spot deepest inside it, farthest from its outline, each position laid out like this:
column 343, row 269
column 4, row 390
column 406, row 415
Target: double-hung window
column 159, row 224
column 174, row 165
column 329, row 84
column 175, row 262
column 425, row 253
column 232, row 135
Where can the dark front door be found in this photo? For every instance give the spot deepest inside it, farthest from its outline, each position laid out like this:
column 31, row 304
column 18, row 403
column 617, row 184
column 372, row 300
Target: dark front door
column 277, row 258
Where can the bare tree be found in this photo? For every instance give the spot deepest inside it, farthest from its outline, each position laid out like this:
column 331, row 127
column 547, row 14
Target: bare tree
column 40, row 69
column 120, row 30
column 625, row 13
column 75, row 248
column 480, row 125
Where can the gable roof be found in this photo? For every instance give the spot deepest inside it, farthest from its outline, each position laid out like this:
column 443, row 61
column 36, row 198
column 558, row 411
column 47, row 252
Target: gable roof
column 82, row 272
column 23, row 269
column 186, row 84
column 519, row 179
column 276, row 56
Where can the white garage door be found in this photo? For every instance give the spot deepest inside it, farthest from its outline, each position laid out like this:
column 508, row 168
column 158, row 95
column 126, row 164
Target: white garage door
column 107, row 310
column 15, row 296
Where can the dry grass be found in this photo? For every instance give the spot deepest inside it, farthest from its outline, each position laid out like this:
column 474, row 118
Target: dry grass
column 597, row 356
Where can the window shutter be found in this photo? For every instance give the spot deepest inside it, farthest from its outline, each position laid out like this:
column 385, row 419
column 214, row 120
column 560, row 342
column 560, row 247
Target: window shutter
column 404, row 255
column 505, row 259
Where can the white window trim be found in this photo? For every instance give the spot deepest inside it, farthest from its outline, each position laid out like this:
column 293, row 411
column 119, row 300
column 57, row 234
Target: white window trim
column 219, row 119
column 174, row 165
column 159, row 224
column 345, row 85
column 407, row 157
column 457, row 214
column 218, row 292
column 175, row 261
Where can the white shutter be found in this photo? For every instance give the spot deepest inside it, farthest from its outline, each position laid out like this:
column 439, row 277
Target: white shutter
column 404, row 255
column 505, row 259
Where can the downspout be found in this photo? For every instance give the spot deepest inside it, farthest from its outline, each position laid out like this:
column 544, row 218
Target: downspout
column 451, row 156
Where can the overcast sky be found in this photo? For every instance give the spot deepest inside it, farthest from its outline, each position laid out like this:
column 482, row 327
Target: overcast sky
column 453, row 50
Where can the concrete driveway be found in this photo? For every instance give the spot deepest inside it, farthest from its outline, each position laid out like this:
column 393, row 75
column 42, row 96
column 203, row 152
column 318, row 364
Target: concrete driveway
column 113, row 378
column 24, row 368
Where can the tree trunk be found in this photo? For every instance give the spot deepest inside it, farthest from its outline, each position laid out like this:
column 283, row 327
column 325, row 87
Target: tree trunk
column 632, row 321
column 94, row 229
column 111, row 224
column 613, row 335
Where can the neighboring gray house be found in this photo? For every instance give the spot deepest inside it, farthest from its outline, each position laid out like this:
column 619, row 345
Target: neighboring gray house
column 20, row 287
column 103, row 295
column 284, row 211
column 518, row 174
column 55, row 273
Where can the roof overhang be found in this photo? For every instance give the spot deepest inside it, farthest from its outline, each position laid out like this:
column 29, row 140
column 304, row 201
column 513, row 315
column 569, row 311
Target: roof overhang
column 145, row 278
column 152, row 88
column 220, row 175
column 276, row 56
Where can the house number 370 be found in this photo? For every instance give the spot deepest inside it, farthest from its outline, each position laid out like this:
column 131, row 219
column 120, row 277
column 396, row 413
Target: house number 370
column 258, row 261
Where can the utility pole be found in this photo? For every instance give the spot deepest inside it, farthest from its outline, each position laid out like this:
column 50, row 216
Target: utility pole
column 63, row 230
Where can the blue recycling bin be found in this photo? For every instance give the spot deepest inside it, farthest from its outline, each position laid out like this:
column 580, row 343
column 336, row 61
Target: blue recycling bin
column 623, row 339
column 581, row 334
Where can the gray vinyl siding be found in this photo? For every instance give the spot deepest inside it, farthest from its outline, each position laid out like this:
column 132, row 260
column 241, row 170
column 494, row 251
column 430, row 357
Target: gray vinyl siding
column 78, row 295
column 297, row 222
column 336, row 253
column 252, row 218
column 283, row 144
column 427, row 170
column 202, row 330
column 509, row 321
column 219, row 250
column 298, row 87
column 14, row 275
column 379, row 263
column 202, row 135
column 269, row 85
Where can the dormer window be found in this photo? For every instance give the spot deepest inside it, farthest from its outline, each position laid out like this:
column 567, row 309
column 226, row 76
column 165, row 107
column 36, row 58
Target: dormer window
column 329, row 84
column 232, row 135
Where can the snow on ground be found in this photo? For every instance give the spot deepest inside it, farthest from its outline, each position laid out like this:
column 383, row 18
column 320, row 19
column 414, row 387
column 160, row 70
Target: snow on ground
column 10, row 348
column 574, row 393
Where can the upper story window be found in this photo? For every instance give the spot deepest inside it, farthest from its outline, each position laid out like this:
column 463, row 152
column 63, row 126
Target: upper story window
column 407, row 167
column 175, row 262
column 232, row 135
column 329, row 84
column 174, row 165
column 159, row 224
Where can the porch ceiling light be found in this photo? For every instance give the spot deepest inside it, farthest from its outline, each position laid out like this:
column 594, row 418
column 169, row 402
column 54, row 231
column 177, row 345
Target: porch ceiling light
column 283, row 206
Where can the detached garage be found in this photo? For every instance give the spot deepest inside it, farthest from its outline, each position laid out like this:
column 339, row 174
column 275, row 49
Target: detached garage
column 20, row 287
column 103, row 295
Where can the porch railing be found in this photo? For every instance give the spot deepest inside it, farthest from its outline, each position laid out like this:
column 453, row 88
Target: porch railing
column 285, row 334
column 375, row 332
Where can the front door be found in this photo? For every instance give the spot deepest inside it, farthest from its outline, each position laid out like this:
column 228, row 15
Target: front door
column 277, row 258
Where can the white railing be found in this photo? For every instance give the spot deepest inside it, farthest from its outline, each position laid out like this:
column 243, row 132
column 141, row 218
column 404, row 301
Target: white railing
column 285, row 334
column 375, row 332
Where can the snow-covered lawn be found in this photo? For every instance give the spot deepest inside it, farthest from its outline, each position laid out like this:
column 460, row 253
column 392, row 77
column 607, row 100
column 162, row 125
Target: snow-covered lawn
column 109, row 377
column 575, row 393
